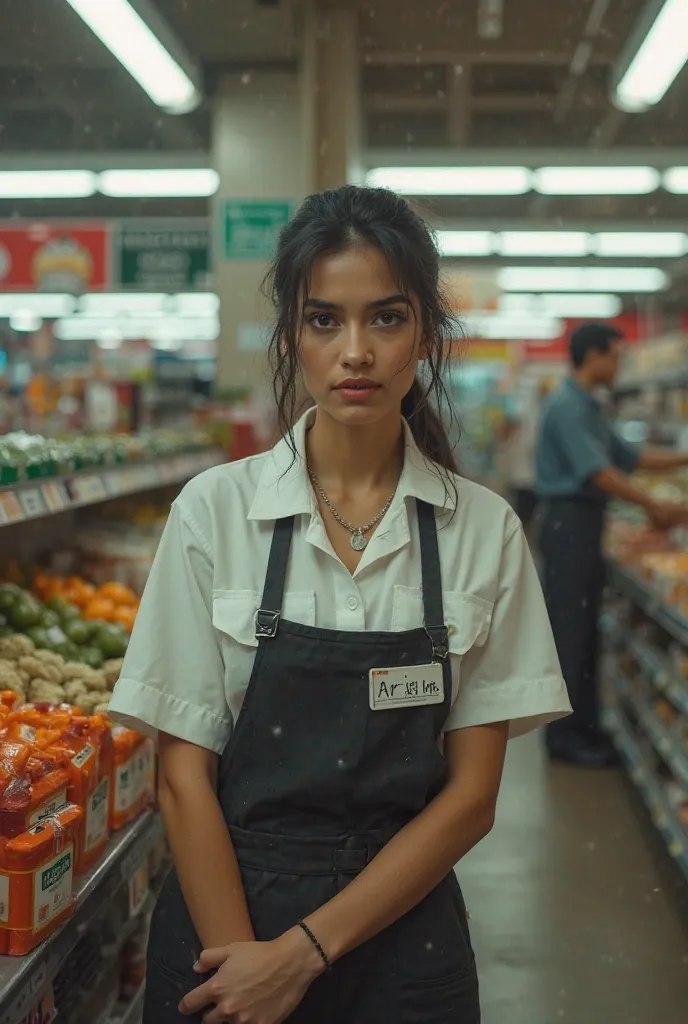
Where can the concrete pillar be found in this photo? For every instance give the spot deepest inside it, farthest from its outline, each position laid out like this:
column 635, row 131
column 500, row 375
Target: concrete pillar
column 331, row 77
column 258, row 150
column 277, row 136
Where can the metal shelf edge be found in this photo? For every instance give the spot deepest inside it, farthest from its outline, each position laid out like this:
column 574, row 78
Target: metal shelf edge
column 663, row 818
column 105, row 483
column 633, row 587
column 659, row 734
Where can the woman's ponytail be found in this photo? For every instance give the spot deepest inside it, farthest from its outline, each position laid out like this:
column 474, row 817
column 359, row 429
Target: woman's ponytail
column 427, row 427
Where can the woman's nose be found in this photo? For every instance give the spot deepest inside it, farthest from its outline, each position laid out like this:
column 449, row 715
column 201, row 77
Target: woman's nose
column 355, row 346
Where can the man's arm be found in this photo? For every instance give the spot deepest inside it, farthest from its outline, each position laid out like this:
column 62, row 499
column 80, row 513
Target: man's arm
column 662, row 458
column 616, row 484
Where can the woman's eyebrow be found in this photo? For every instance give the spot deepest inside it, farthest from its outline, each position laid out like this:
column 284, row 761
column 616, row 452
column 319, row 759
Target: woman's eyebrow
column 389, row 300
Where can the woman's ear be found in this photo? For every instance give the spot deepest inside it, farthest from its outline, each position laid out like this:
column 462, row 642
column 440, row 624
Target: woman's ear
column 423, row 350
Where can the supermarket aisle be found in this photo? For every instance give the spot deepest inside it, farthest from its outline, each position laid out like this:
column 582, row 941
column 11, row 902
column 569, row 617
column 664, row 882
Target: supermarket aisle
column 572, row 920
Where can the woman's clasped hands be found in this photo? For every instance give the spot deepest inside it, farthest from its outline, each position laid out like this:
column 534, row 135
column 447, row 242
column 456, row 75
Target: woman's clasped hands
column 254, row 982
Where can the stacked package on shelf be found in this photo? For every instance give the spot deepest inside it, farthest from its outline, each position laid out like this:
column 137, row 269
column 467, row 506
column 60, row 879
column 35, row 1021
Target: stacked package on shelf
column 66, row 780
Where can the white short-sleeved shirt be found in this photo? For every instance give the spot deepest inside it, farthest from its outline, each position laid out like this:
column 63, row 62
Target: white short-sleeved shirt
column 193, row 646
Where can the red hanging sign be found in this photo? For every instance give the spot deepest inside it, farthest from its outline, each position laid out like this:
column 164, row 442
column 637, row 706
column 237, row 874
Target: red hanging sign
column 60, row 257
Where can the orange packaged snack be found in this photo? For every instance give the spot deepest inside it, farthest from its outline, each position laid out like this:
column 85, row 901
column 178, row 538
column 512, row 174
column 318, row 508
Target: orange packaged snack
column 89, row 744
column 132, row 789
column 36, row 876
column 33, row 784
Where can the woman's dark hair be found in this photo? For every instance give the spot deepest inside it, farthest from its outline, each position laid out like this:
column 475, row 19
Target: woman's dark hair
column 329, row 222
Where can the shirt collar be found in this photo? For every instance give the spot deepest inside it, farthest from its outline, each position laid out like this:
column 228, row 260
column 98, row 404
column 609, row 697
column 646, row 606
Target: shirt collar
column 579, row 390
column 284, row 488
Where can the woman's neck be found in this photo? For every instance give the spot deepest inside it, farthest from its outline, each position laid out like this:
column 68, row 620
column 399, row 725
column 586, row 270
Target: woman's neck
column 346, row 457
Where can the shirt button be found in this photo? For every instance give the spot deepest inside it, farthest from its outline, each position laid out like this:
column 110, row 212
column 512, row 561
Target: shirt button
column 353, row 603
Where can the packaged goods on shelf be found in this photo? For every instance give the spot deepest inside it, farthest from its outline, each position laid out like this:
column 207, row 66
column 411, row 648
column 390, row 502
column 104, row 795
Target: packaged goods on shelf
column 31, row 456
column 133, row 784
column 36, row 880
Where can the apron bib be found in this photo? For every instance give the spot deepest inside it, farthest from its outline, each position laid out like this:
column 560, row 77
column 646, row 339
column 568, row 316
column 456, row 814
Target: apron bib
column 312, row 784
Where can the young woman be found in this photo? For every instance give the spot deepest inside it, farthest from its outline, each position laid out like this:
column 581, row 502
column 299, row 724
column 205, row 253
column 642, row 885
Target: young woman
column 335, row 640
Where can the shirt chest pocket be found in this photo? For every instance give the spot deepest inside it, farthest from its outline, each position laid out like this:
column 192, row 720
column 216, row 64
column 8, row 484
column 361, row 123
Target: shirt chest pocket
column 234, row 612
column 467, row 617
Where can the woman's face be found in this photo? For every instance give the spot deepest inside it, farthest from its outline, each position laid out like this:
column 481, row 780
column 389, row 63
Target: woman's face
column 361, row 338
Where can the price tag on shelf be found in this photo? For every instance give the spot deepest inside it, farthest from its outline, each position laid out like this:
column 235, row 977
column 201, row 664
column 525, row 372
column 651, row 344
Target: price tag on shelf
column 138, row 889
column 88, row 488
column 55, row 495
column 112, row 483
column 31, row 501
column 10, row 509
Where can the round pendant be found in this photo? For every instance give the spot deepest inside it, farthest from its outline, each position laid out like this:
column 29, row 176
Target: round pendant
column 358, row 541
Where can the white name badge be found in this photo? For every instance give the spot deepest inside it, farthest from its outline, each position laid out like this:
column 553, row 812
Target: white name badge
column 411, row 686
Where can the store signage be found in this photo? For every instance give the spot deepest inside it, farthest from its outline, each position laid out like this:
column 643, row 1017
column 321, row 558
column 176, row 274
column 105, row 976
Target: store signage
column 163, row 257
column 57, row 257
column 251, row 228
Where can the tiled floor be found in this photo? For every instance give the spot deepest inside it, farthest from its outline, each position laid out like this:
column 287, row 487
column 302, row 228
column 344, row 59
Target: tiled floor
column 575, row 919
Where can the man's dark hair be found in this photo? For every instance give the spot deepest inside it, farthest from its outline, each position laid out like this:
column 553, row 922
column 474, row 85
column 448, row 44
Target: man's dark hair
column 591, row 337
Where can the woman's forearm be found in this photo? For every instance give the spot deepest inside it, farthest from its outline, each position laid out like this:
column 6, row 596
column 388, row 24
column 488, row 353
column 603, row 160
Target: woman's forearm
column 414, row 861
column 205, row 861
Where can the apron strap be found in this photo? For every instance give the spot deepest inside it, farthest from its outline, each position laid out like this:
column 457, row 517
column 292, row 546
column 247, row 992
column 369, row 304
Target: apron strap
column 268, row 615
column 433, row 606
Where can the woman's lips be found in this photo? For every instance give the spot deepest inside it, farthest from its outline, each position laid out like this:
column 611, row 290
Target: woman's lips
column 357, row 390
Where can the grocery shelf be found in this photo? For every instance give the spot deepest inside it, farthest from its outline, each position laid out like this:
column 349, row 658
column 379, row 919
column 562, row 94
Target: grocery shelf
column 37, row 498
column 133, row 1012
column 660, row 670
column 675, row 378
column 649, row 787
column 24, row 979
column 634, row 588
column 667, row 745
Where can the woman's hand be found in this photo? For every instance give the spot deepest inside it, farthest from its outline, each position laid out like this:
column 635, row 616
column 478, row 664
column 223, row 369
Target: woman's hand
column 256, row 982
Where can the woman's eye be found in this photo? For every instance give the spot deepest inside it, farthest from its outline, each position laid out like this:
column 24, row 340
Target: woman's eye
column 389, row 318
column 322, row 320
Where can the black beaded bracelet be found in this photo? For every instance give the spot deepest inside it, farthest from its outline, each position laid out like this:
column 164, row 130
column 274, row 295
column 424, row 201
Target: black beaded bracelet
column 325, row 958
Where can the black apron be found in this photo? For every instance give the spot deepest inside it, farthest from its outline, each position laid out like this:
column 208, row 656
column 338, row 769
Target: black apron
column 312, row 785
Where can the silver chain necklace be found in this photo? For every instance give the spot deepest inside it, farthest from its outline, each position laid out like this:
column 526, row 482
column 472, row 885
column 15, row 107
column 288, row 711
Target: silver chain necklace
column 359, row 541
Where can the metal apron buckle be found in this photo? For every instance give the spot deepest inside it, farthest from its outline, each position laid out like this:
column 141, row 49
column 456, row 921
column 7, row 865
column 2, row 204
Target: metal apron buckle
column 439, row 638
column 266, row 623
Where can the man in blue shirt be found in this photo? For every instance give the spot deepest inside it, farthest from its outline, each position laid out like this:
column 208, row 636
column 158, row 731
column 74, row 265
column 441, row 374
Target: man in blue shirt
column 581, row 463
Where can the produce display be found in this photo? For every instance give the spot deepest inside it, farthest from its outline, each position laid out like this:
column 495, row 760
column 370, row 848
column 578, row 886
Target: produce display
column 31, row 456
column 69, row 617
column 69, row 777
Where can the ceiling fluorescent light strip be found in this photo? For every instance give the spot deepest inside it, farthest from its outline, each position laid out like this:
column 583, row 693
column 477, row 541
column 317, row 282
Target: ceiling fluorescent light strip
column 632, row 244
column 676, row 180
column 649, row 244
column 124, row 32
column 159, row 182
column 581, row 279
column 567, row 304
column 452, row 181
column 607, row 181
column 658, row 59
column 543, row 243
column 75, row 184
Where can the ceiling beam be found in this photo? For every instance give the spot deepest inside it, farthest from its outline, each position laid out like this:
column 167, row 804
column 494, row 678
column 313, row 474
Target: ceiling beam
column 404, row 58
column 403, row 103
